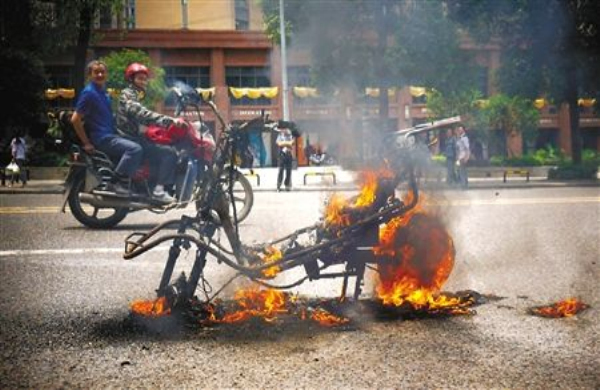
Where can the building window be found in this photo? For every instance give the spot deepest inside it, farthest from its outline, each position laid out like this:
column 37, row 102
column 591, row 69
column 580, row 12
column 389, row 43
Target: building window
column 194, row 76
column 105, row 19
column 242, row 19
column 60, row 77
column 421, row 99
column 299, row 76
column 483, row 81
column 130, row 14
column 248, row 77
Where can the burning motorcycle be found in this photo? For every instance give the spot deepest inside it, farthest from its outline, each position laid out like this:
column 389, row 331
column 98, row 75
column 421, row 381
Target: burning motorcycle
column 349, row 234
column 93, row 206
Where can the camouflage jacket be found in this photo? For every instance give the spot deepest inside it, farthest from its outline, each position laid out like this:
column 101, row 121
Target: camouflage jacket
column 131, row 113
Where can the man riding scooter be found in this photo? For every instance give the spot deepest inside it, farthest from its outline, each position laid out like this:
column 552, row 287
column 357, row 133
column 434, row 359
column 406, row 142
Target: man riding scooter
column 133, row 116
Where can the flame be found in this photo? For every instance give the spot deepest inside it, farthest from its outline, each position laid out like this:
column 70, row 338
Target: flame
column 566, row 308
column 339, row 209
column 257, row 303
column 271, row 255
column 156, row 308
column 419, row 257
column 326, row 318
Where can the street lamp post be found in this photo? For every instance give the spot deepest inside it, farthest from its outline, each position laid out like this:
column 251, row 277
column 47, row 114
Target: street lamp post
column 284, row 80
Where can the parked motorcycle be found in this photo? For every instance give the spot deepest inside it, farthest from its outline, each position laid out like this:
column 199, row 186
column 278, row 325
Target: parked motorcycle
column 95, row 207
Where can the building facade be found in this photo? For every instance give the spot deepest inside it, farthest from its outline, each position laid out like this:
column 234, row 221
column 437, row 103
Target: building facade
column 219, row 45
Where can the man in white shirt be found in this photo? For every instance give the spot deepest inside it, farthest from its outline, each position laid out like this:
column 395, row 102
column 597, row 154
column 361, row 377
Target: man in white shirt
column 285, row 142
column 18, row 149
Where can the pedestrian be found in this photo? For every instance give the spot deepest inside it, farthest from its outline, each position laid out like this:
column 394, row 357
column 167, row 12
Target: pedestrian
column 93, row 106
column 18, row 147
column 133, row 116
column 463, row 155
column 450, row 153
column 285, row 142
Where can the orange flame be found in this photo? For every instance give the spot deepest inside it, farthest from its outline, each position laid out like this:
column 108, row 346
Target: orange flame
column 339, row 209
column 157, row 308
column 271, row 255
column 257, row 303
column 566, row 308
column 420, row 256
column 326, row 318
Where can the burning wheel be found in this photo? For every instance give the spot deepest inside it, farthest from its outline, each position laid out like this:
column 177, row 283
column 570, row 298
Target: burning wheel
column 90, row 216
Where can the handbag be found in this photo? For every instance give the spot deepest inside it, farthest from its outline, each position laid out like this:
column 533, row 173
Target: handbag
column 13, row 168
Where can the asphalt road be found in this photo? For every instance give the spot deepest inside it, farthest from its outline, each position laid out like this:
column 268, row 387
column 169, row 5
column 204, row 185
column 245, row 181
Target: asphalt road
column 65, row 293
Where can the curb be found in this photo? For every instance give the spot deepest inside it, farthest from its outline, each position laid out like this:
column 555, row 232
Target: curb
column 57, row 187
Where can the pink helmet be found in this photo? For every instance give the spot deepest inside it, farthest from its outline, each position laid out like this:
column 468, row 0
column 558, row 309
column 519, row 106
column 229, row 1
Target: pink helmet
column 134, row 68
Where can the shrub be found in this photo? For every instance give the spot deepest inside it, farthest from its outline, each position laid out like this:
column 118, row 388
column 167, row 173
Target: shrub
column 570, row 171
column 439, row 159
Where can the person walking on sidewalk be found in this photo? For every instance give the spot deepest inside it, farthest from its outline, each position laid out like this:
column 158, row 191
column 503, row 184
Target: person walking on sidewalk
column 18, row 148
column 463, row 155
column 285, row 142
column 93, row 106
column 132, row 116
column 450, row 153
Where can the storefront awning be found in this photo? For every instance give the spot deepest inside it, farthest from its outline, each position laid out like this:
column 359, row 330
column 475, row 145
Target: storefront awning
column 540, row 103
column 206, row 93
column 417, row 91
column 254, row 93
column 587, row 103
column 63, row 93
column 374, row 92
column 304, row 92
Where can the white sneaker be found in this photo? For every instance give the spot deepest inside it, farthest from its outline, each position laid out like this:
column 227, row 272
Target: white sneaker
column 162, row 197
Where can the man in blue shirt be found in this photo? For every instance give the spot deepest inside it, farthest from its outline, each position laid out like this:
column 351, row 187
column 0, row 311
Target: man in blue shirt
column 93, row 106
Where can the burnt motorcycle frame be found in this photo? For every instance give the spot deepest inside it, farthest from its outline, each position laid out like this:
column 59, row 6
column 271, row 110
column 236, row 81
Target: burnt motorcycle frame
column 90, row 170
column 315, row 247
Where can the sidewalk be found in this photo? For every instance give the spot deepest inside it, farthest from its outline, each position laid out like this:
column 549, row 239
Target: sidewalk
column 322, row 179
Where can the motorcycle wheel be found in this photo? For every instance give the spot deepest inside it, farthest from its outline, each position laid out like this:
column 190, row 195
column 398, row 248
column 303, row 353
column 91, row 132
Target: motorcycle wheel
column 93, row 217
column 243, row 196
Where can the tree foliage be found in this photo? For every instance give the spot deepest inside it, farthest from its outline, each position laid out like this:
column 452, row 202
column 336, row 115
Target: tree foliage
column 360, row 43
column 512, row 115
column 552, row 47
column 31, row 31
column 117, row 62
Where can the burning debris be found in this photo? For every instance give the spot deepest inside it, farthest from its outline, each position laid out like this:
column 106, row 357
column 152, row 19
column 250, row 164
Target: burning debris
column 156, row 308
column 566, row 308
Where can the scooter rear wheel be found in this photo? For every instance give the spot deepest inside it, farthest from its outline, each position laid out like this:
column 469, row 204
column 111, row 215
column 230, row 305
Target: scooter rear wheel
column 90, row 216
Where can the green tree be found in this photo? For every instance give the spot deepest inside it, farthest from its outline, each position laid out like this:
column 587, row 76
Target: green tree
column 117, row 62
column 512, row 115
column 551, row 47
column 21, row 71
column 29, row 31
column 66, row 26
column 360, row 43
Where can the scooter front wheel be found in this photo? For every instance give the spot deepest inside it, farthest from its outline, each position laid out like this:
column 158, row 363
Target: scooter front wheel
column 90, row 216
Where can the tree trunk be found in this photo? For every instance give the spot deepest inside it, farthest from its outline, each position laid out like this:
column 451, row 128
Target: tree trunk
column 571, row 97
column 83, row 41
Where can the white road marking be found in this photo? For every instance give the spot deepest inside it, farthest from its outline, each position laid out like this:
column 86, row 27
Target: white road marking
column 73, row 251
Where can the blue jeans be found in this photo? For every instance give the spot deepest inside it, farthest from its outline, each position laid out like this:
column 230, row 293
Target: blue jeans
column 129, row 154
column 163, row 162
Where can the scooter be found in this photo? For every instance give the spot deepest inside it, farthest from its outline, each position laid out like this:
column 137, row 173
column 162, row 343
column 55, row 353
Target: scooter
column 95, row 207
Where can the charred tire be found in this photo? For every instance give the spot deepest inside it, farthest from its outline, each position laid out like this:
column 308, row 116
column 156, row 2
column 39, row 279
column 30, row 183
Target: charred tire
column 98, row 218
column 242, row 194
